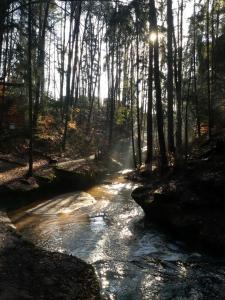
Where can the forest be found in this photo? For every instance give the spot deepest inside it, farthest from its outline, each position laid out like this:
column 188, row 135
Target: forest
column 112, row 143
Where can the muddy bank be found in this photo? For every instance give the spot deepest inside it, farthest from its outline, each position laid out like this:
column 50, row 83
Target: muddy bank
column 27, row 272
column 190, row 202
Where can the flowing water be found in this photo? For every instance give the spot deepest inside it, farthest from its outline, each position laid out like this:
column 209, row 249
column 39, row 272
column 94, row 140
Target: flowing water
column 105, row 227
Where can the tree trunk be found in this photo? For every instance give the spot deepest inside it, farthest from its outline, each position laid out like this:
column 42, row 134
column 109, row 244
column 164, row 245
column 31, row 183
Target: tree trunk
column 29, row 75
column 208, row 72
column 159, row 111
column 170, row 77
column 137, row 101
column 149, row 156
column 179, row 77
column 195, row 77
column 40, row 61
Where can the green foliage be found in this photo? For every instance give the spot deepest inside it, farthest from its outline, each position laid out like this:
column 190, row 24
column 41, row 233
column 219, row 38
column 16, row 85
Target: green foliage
column 123, row 115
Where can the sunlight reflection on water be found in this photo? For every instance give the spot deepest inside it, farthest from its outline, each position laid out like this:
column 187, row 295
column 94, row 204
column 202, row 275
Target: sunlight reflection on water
column 105, row 227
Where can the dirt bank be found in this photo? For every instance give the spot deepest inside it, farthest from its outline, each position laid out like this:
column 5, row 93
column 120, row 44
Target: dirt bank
column 189, row 202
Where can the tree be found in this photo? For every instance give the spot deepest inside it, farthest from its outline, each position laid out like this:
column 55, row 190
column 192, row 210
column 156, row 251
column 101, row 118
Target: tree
column 149, row 155
column 159, row 111
column 170, row 76
column 29, row 77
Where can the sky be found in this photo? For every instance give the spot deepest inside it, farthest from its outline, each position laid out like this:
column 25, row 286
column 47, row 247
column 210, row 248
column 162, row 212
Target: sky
column 104, row 84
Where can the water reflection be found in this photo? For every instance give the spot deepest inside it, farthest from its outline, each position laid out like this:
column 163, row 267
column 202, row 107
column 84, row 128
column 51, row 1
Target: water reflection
column 105, row 227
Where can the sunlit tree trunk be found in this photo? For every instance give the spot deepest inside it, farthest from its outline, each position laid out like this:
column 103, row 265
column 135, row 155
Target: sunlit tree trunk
column 137, row 100
column 132, row 105
column 159, row 111
column 149, row 155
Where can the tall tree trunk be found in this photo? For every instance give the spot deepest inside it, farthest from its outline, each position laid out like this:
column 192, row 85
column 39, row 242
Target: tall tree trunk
column 149, row 156
column 179, row 77
column 80, row 61
column 208, row 71
column 170, row 76
column 137, row 100
column 4, row 71
column 131, row 107
column 40, row 61
column 29, row 76
column 186, row 113
column 198, row 129
column 62, row 69
column 159, row 110
column 68, row 77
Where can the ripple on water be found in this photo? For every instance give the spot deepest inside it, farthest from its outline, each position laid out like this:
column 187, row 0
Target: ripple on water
column 104, row 227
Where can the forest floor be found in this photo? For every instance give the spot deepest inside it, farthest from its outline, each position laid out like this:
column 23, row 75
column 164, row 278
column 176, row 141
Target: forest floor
column 189, row 201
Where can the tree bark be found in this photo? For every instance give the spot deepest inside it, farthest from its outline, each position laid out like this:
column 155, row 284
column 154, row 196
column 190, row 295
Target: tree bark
column 170, row 77
column 29, row 75
column 159, row 110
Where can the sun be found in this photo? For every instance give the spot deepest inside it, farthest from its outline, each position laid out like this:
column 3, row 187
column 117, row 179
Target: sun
column 153, row 36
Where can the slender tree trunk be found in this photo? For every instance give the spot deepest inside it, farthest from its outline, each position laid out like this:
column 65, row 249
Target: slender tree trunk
column 137, row 101
column 29, row 75
column 159, row 110
column 149, row 156
column 68, row 78
column 208, row 72
column 179, row 77
column 186, row 114
column 170, row 76
column 131, row 107
column 80, row 61
column 112, row 98
column 195, row 77
column 40, row 61
column 75, row 66
column 4, row 71
column 62, row 71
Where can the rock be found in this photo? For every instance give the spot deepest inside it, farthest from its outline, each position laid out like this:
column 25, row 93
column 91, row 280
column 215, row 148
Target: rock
column 27, row 272
column 23, row 185
column 52, row 161
column 141, row 193
column 192, row 209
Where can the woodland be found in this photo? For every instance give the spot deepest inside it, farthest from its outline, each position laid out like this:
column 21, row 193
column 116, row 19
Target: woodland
column 90, row 90
column 159, row 65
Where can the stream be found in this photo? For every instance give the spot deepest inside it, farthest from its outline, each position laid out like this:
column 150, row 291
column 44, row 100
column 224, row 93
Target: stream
column 105, row 227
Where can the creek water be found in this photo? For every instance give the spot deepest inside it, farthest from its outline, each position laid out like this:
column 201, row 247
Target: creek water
column 105, row 227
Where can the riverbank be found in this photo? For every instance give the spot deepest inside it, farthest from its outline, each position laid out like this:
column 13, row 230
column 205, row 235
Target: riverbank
column 27, row 272
column 50, row 179
column 189, row 201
